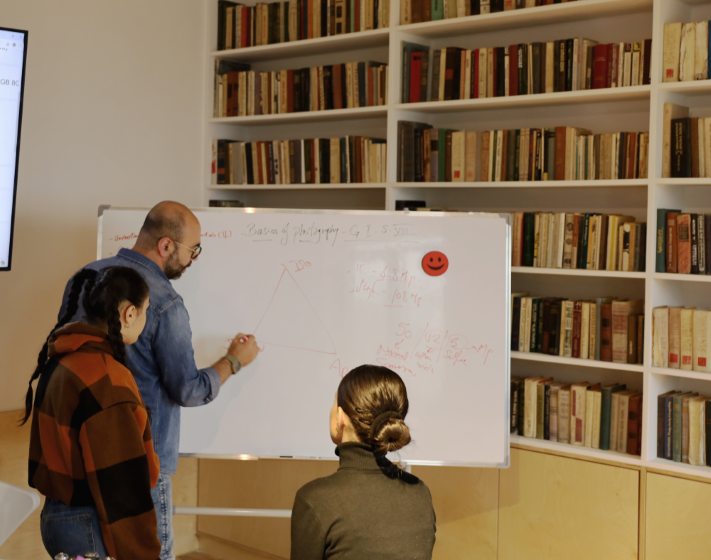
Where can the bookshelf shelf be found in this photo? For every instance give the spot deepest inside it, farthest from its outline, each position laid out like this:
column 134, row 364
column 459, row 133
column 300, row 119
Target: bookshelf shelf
column 538, row 100
column 681, row 468
column 307, row 47
column 307, row 116
column 674, row 277
column 578, row 450
column 577, row 272
column 528, row 184
column 300, row 187
column 685, row 374
column 531, row 17
column 534, row 357
column 700, row 87
column 687, row 181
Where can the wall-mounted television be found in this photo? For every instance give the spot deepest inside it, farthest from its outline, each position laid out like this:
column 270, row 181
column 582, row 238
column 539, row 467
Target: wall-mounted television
column 13, row 55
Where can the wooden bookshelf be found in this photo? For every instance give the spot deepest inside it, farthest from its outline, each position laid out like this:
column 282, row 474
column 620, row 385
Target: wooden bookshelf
column 637, row 108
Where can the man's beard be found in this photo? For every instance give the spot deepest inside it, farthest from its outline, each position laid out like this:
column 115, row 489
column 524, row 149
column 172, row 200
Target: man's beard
column 173, row 269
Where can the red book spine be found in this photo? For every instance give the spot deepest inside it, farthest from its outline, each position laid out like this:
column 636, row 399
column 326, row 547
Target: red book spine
column 560, row 153
column 631, row 156
column 513, row 70
column 475, row 75
column 415, row 71
column 244, row 37
column 672, row 248
column 606, row 332
column 633, row 424
column 600, row 73
column 577, row 323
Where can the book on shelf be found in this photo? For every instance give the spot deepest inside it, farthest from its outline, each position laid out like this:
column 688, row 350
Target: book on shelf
column 562, row 153
column 685, row 55
column 580, row 414
column 521, row 69
column 683, row 242
column 606, row 329
column 350, row 159
column 579, row 241
column 225, row 204
column 245, row 92
column 420, row 11
column 240, row 26
column 681, row 338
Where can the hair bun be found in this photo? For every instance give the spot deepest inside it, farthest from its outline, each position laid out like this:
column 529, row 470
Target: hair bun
column 392, row 435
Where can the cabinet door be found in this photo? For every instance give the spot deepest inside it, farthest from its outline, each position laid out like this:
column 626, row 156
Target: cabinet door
column 554, row 508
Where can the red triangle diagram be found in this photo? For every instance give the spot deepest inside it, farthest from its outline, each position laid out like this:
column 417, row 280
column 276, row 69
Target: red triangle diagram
column 291, row 321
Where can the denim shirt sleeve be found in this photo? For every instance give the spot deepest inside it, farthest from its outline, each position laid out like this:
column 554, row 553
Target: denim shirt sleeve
column 173, row 350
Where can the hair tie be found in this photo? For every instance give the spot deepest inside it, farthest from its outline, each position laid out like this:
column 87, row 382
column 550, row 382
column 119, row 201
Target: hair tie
column 381, row 419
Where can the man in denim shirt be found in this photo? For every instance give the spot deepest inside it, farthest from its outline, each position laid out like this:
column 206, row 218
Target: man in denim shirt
column 162, row 360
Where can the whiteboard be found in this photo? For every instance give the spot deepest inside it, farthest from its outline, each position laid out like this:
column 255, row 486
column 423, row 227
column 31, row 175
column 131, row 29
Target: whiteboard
column 326, row 291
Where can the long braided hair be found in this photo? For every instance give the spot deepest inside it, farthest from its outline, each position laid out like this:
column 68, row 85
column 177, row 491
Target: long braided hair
column 103, row 291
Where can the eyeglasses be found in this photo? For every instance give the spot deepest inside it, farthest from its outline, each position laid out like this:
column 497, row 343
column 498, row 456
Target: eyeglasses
column 196, row 251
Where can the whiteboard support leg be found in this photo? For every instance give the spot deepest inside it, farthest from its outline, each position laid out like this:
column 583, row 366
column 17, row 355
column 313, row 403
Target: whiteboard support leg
column 233, row 512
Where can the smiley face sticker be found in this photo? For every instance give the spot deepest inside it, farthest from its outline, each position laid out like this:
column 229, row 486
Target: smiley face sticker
column 435, row 263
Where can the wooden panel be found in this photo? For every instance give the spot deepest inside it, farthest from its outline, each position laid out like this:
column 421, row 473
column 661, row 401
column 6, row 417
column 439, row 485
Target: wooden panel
column 557, row 508
column 26, row 542
column 185, row 494
column 466, row 505
column 269, row 484
column 226, row 550
column 678, row 514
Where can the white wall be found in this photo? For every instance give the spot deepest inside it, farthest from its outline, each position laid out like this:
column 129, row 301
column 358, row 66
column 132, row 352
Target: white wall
column 112, row 115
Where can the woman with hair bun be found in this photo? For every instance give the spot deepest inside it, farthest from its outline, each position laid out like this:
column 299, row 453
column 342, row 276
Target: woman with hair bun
column 91, row 450
column 369, row 509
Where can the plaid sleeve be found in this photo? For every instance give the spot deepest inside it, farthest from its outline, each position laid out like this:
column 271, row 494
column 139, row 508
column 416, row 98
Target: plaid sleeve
column 120, row 472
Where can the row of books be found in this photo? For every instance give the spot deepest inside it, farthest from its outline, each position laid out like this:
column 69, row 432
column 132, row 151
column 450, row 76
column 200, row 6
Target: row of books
column 683, row 427
column 578, row 241
column 681, row 338
column 685, row 54
column 225, row 204
column 240, row 26
column 563, row 153
column 690, row 147
column 521, row 69
column 241, row 92
column 583, row 414
column 683, row 242
column 607, row 329
column 350, row 159
column 418, row 11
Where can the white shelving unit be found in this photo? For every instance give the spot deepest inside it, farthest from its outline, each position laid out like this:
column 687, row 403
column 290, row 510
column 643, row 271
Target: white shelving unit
column 612, row 110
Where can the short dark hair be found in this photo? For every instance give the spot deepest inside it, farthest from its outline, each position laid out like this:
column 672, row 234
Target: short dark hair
column 159, row 224
column 375, row 400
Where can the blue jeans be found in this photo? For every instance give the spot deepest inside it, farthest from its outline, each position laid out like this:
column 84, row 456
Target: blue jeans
column 72, row 530
column 162, row 496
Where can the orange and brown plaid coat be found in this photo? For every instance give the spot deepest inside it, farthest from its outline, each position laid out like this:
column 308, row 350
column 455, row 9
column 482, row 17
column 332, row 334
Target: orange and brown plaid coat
column 91, row 441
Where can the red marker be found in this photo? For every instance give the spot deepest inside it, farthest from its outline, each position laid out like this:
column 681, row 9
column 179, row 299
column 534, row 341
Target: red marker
column 243, row 339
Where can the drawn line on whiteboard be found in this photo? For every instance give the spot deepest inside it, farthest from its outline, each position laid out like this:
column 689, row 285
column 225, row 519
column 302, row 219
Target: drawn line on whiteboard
column 266, row 340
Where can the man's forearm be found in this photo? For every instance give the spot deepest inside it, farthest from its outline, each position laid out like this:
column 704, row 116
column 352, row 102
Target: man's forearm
column 224, row 369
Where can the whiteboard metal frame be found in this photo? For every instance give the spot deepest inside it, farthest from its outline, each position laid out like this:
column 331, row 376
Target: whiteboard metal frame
column 432, row 215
